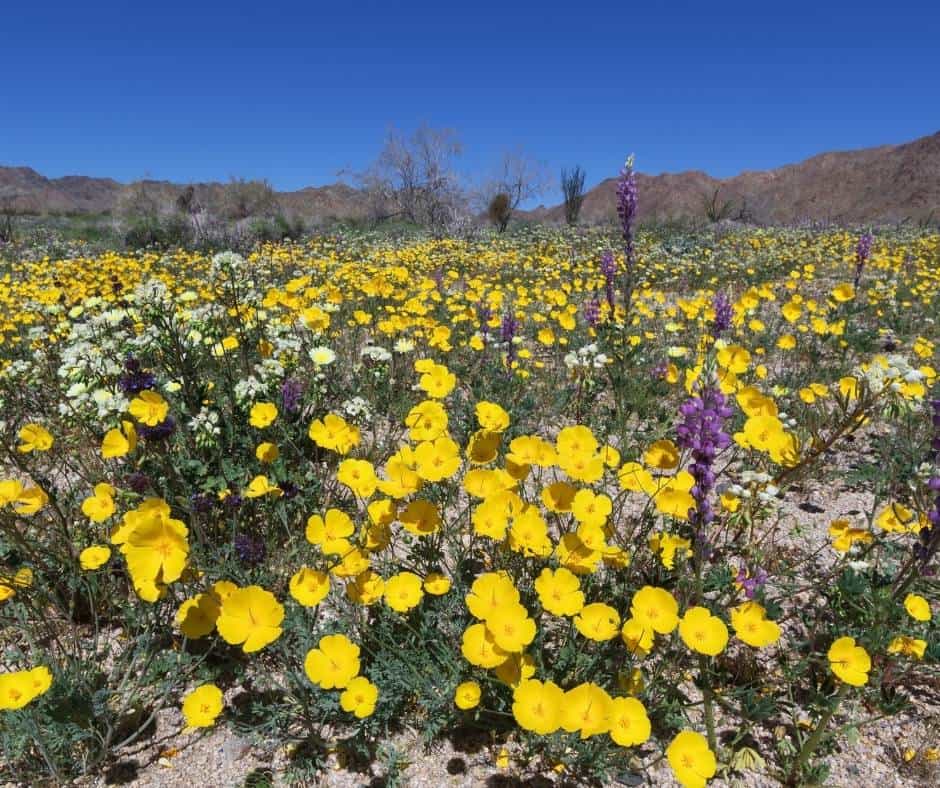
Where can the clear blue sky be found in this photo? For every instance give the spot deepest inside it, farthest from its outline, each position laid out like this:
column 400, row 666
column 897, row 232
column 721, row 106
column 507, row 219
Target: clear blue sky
column 294, row 92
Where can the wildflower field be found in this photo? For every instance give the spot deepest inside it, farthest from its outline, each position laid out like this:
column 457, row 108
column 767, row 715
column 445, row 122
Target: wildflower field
column 545, row 485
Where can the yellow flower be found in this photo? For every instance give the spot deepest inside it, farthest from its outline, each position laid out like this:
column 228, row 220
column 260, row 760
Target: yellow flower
column 598, row 621
column 437, row 584
column 586, row 708
column 693, row 763
column 467, row 695
column 511, row 627
column 35, row 438
column 537, row 706
column 309, row 587
column 657, row 608
column 403, row 591
column 367, row 588
column 119, row 442
column 911, row 647
column 437, row 460
column 100, row 506
column 250, row 617
column 198, row 615
column 260, row 486
column 202, row 706
column 479, row 648
column 330, row 531
column 667, row 546
column 156, row 551
column 849, row 662
column 267, row 452
column 560, row 592
column 262, row 414
column 359, row 697
column 490, row 591
column 843, row 292
column 426, row 421
column 93, row 557
column 359, row 476
column 752, row 626
column 637, row 635
column 703, row 632
column 629, row 723
column 663, row 455
column 421, row 518
column 917, row 607
column 491, row 417
column 334, row 663
column 335, row 434
column 22, row 687
column 149, row 408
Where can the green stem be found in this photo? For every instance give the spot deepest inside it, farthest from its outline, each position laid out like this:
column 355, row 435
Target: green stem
column 709, row 698
column 816, row 737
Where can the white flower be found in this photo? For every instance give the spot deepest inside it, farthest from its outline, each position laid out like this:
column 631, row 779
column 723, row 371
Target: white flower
column 404, row 346
column 322, row 356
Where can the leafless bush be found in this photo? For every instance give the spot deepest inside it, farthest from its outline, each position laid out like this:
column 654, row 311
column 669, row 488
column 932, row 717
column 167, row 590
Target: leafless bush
column 572, row 187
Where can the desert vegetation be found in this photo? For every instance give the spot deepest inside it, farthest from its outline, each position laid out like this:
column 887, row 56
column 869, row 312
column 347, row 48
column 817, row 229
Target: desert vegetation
column 328, row 486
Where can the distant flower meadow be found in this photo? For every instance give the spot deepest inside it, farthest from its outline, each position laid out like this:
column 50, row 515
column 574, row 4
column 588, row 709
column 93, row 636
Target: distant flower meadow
column 536, row 485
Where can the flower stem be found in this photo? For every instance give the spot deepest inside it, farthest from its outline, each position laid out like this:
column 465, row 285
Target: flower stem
column 815, row 738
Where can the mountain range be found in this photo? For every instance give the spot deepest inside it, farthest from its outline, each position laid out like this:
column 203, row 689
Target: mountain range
column 888, row 183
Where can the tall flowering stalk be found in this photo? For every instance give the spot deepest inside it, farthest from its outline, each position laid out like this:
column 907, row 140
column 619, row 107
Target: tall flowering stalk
column 702, row 431
column 507, row 334
column 930, row 535
column 627, row 200
column 862, row 253
column 609, row 270
column 723, row 315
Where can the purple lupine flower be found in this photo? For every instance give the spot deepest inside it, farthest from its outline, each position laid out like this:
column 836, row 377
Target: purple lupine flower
column 507, row 333
column 250, row 551
column 661, row 370
column 701, row 431
column 158, row 432
column 484, row 315
column 289, row 490
column 232, row 502
column 627, row 199
column 592, row 312
column 292, row 391
column 862, row 253
column 609, row 270
column 134, row 379
column 723, row 314
column 202, row 503
column 750, row 583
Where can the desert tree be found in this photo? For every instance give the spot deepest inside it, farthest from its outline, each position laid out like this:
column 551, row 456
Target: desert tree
column 499, row 210
column 520, row 178
column 415, row 177
column 572, row 189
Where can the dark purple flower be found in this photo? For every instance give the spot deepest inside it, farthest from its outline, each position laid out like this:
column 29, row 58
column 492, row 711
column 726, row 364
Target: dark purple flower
column 592, row 311
column 158, row 432
column 292, row 391
column 701, row 431
column 138, row 482
column 627, row 200
column 484, row 316
column 289, row 490
column 232, row 502
column 134, row 379
column 202, row 503
column 862, row 253
column 250, row 551
column 750, row 583
column 609, row 270
column 723, row 314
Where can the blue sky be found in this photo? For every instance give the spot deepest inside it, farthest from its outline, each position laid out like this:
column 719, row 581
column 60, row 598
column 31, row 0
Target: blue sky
column 295, row 92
